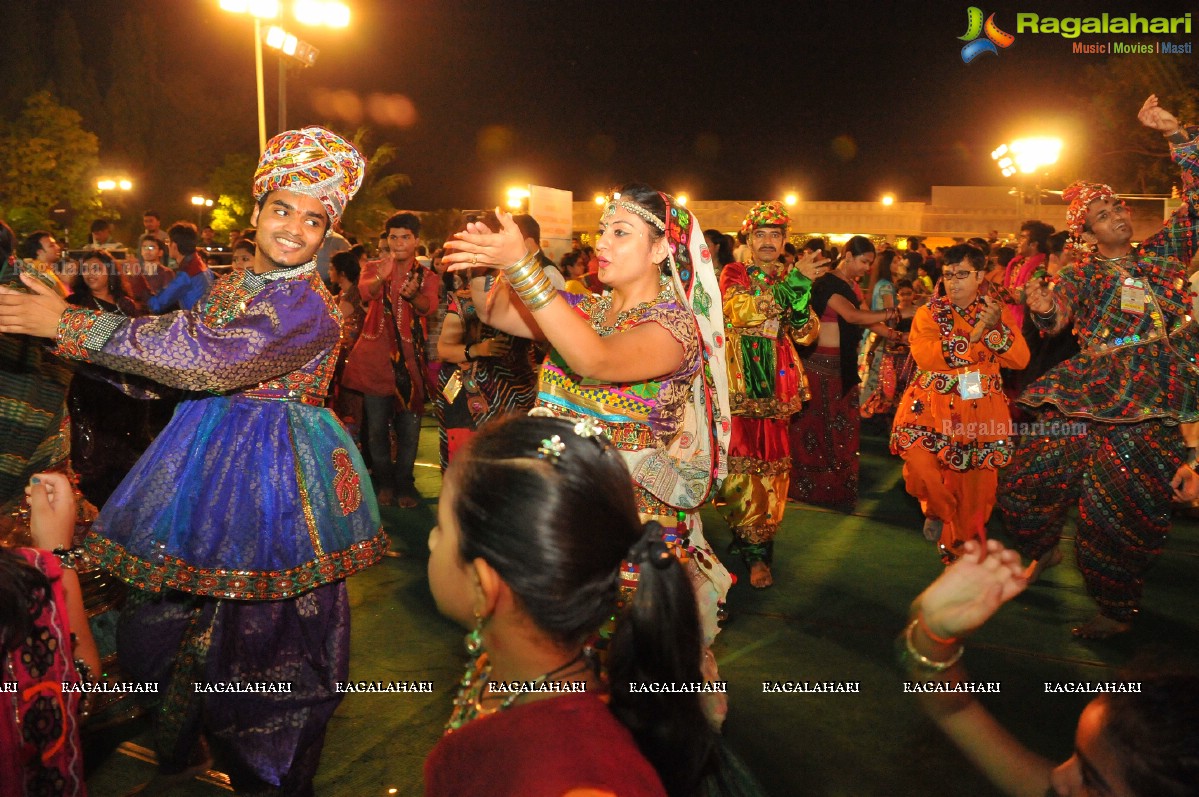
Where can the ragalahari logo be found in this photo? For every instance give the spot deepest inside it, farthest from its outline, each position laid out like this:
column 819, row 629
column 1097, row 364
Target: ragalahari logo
column 995, row 38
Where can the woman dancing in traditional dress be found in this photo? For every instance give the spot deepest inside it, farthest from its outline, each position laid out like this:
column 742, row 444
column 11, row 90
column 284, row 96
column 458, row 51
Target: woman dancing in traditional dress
column 645, row 359
column 824, row 437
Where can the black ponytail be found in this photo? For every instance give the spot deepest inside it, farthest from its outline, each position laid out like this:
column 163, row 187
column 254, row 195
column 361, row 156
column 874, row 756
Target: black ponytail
column 658, row 640
column 557, row 518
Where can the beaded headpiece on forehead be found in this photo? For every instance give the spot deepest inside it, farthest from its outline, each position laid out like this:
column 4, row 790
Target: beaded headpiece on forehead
column 615, row 202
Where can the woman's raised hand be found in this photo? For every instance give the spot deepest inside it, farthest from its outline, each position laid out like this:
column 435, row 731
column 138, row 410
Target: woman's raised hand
column 972, row 589
column 478, row 246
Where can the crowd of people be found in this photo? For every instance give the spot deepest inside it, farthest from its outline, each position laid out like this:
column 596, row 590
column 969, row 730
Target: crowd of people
column 588, row 410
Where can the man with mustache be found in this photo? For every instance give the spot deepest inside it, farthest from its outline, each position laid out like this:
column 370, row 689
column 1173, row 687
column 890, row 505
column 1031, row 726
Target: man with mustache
column 1110, row 442
column 766, row 315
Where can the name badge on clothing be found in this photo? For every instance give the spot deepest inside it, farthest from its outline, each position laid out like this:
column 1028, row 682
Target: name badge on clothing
column 1132, row 296
column 970, row 386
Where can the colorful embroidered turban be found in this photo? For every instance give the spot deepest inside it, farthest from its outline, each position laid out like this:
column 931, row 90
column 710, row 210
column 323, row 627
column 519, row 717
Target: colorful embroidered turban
column 766, row 214
column 1080, row 195
column 314, row 162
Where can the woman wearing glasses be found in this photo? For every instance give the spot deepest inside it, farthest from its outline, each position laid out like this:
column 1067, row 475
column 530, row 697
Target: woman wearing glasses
column 953, row 428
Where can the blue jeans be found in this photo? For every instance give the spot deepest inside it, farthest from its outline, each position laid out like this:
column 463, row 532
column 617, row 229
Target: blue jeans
column 381, row 415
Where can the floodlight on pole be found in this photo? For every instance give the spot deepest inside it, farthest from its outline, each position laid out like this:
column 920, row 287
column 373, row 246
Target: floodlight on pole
column 517, row 197
column 328, row 13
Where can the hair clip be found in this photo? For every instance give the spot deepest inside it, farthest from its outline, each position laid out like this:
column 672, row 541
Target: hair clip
column 588, row 427
column 553, row 447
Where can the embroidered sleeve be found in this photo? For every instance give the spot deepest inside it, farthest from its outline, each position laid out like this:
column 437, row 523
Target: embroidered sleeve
column 681, row 325
column 1008, row 343
column 80, row 332
column 794, row 295
column 930, row 349
column 278, row 333
column 1178, row 237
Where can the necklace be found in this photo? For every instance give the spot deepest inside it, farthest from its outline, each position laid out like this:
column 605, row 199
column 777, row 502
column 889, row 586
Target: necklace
column 604, row 303
column 472, row 689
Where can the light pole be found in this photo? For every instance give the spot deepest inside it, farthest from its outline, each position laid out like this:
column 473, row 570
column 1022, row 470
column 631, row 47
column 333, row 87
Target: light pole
column 201, row 202
column 297, row 51
column 330, row 13
column 1028, row 156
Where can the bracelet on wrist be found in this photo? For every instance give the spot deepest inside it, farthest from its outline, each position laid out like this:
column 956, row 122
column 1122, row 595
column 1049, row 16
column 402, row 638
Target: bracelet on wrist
column 71, row 558
column 928, row 632
column 466, row 353
column 1179, row 136
column 914, row 659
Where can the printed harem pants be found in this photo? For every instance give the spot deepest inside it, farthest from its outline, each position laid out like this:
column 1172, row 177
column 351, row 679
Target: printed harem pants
column 1119, row 477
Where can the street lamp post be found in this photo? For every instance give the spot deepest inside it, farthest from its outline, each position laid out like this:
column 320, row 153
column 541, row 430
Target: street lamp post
column 330, row 13
column 201, row 202
column 1028, row 156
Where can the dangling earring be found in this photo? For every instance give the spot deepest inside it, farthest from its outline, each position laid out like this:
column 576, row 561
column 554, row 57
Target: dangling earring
column 474, row 640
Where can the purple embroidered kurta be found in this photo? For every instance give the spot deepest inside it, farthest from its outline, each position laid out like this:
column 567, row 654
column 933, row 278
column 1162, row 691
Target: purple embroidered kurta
column 254, row 489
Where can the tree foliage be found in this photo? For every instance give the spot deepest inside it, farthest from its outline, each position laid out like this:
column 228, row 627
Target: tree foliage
column 372, row 205
column 1123, row 152
column 46, row 157
column 230, row 183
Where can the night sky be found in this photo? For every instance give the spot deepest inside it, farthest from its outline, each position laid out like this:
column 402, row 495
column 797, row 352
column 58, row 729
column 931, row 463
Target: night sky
column 723, row 100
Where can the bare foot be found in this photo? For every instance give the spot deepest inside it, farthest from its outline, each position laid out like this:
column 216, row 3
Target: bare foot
column 408, row 502
column 759, row 575
column 1100, row 627
column 167, row 784
column 386, row 497
column 1051, row 559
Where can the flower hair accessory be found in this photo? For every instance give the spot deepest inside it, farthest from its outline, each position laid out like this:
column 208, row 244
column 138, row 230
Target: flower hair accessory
column 551, row 447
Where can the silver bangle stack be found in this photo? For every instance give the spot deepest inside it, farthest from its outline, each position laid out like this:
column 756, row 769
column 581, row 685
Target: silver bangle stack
column 530, row 282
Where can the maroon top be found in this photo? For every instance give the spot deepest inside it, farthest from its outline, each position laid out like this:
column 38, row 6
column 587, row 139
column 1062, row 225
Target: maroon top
column 541, row 749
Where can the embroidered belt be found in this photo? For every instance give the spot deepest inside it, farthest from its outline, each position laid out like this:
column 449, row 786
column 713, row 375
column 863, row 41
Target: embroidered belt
column 285, row 395
column 629, row 436
column 947, row 383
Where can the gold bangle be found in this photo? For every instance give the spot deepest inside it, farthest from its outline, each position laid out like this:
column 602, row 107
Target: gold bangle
column 537, row 292
column 535, row 303
column 916, row 659
column 522, row 269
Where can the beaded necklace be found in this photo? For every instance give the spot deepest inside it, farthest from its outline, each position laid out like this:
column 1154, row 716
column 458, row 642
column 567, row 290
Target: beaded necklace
column 604, row 303
column 468, row 703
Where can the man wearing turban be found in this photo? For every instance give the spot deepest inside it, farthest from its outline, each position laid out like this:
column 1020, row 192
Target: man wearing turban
column 1108, row 440
column 238, row 527
column 766, row 315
